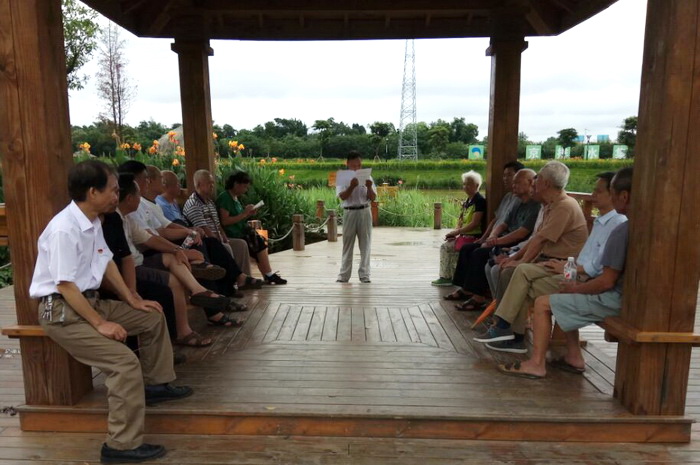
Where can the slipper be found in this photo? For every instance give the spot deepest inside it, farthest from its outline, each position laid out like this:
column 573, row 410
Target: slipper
column 459, row 294
column 472, row 305
column 563, row 365
column 225, row 321
column 207, row 271
column 194, row 339
column 513, row 369
column 210, row 300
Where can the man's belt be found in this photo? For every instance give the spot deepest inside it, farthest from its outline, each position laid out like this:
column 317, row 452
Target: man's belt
column 89, row 294
column 360, row 207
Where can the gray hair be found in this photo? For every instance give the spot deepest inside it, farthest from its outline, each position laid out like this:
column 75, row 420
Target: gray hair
column 556, row 172
column 200, row 175
column 474, row 176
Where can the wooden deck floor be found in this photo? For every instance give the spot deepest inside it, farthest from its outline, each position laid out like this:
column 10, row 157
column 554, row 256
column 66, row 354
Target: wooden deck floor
column 388, row 359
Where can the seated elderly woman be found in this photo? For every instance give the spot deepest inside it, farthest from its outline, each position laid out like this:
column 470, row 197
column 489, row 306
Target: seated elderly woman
column 233, row 218
column 470, row 225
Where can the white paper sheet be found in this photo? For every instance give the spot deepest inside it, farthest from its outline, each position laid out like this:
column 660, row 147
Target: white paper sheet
column 343, row 177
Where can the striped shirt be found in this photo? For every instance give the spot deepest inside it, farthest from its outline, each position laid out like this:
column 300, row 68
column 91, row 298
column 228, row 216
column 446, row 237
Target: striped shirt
column 201, row 213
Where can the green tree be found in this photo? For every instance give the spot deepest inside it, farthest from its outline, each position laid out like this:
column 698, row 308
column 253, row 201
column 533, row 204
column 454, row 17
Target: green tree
column 463, row 132
column 80, row 32
column 628, row 133
column 439, row 136
column 380, row 131
column 567, row 137
column 324, row 127
column 227, row 131
column 523, row 141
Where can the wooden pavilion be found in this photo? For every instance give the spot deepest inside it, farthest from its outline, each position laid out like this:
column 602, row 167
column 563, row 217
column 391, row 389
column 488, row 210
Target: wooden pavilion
column 656, row 326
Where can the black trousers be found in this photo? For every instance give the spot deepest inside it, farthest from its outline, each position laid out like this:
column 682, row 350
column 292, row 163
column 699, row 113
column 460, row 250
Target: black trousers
column 219, row 255
column 470, row 274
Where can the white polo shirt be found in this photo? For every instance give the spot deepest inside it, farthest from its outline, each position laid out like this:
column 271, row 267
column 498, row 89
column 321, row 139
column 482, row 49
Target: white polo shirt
column 134, row 236
column 73, row 249
column 150, row 216
column 358, row 197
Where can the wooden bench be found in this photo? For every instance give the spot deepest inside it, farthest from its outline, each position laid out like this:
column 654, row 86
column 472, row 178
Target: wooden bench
column 618, row 330
column 17, row 331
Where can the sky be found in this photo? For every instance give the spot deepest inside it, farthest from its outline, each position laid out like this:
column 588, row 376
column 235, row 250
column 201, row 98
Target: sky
column 588, row 78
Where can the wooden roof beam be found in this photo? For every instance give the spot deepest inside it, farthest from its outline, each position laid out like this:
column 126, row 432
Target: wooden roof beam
column 544, row 21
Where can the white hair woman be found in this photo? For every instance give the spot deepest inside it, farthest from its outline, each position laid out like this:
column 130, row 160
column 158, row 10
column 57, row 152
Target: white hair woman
column 470, row 225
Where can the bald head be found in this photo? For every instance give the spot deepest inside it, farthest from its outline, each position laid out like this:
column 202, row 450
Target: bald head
column 523, row 183
column 204, row 184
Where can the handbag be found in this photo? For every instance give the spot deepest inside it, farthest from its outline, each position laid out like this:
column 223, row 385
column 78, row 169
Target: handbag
column 460, row 241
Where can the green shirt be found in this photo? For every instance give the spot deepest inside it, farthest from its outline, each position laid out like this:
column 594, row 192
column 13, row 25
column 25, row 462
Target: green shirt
column 233, row 207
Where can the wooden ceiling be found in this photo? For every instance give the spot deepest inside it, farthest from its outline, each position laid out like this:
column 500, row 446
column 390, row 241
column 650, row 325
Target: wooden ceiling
column 346, row 19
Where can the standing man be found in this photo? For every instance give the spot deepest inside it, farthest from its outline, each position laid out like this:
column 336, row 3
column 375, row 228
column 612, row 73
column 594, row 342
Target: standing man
column 72, row 263
column 357, row 220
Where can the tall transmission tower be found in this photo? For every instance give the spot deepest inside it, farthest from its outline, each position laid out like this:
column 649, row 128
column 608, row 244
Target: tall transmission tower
column 408, row 133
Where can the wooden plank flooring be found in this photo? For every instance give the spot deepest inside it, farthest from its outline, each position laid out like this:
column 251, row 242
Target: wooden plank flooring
column 391, row 352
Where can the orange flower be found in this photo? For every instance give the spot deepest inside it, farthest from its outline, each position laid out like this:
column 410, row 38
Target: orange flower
column 156, row 143
column 292, row 176
column 179, row 151
column 152, row 150
column 136, row 146
column 85, row 147
column 263, row 161
column 176, row 162
column 214, row 135
column 125, row 146
column 274, row 160
column 281, row 172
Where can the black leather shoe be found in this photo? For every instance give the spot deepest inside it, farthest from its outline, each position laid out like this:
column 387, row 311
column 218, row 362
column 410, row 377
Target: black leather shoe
column 140, row 454
column 165, row 392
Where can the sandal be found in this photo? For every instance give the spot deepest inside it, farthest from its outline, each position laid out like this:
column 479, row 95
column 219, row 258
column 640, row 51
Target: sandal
column 459, row 294
column 251, row 283
column 513, row 369
column 472, row 305
column 225, row 321
column 194, row 339
column 209, row 299
column 207, row 271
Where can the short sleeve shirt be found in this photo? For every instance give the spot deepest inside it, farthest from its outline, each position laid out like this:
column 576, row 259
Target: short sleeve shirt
column 564, row 228
column 615, row 252
column 523, row 215
column 234, row 207
column 72, row 248
column 476, row 204
column 507, row 204
column 358, row 196
column 201, row 213
column 170, row 210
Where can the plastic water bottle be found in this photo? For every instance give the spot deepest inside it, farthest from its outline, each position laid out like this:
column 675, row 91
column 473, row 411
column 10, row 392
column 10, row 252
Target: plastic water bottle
column 570, row 270
column 189, row 240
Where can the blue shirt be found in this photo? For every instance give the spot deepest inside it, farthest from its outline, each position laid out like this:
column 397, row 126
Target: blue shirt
column 591, row 255
column 170, row 210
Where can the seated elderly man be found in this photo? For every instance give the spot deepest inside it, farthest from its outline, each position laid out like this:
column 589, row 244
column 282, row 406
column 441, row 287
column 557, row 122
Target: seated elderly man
column 200, row 211
column 506, row 333
column 469, row 274
column 166, row 198
column 73, row 260
column 580, row 304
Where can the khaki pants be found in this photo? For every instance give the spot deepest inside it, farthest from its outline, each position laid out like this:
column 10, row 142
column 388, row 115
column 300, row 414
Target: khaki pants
column 356, row 223
column 528, row 282
column 125, row 375
column 241, row 255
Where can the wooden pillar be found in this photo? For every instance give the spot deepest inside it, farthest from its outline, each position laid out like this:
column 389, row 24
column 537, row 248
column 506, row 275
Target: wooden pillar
column 298, row 236
column 504, row 112
column 35, row 143
column 437, row 215
column 332, row 226
column 374, row 206
column 661, row 278
column 195, row 96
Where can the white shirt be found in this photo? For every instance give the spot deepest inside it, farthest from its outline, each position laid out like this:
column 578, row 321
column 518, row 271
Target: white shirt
column 72, row 249
column 358, row 197
column 134, row 236
column 592, row 252
column 150, row 216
